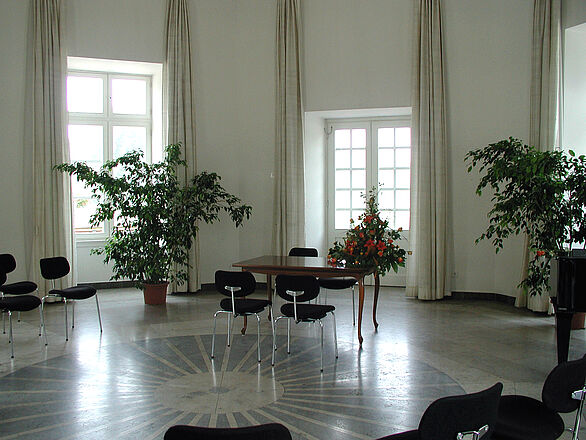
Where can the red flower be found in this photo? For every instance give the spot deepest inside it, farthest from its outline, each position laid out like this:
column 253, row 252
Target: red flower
column 369, row 244
column 381, row 245
column 380, row 253
column 361, row 235
column 540, row 253
column 400, row 260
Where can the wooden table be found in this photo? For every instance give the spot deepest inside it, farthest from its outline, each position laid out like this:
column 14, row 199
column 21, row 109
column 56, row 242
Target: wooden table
column 317, row 266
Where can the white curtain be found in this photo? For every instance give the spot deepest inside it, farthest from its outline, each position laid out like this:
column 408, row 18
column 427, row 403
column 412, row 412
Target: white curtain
column 47, row 201
column 544, row 107
column 289, row 206
column 427, row 274
column 179, row 97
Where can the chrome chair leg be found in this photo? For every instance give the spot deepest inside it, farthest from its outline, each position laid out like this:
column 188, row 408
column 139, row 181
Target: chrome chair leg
column 335, row 334
column 18, row 317
column 321, row 326
column 578, row 395
column 99, row 316
column 66, row 324
column 72, row 313
column 43, row 324
column 214, row 334
column 353, row 308
column 288, row 335
column 258, row 335
column 10, row 337
column 230, row 319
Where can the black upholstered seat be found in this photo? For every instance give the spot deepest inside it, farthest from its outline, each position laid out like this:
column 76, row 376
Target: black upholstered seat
column 269, row 431
column 57, row 267
column 18, row 303
column 474, row 414
column 522, row 417
column 237, row 286
column 298, row 291
column 7, row 265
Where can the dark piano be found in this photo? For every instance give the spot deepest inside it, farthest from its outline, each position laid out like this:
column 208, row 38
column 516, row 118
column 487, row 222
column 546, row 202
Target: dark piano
column 568, row 296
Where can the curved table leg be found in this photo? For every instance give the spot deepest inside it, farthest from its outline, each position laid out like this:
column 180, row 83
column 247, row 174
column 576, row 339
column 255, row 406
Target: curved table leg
column 360, row 307
column 375, row 301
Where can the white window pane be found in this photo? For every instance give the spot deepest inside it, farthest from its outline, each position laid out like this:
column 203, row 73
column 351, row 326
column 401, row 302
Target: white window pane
column 342, row 138
column 403, row 137
column 386, row 199
column 386, row 137
column 129, row 96
column 358, row 158
column 342, row 219
column 403, row 157
column 83, row 209
column 78, row 188
column 386, row 158
column 403, row 178
column 358, row 179
column 357, row 200
column 342, row 199
column 126, row 139
column 402, row 199
column 357, row 213
column 86, row 143
column 85, row 94
column 402, row 219
column 342, row 159
column 359, row 138
column 342, row 179
column 386, row 178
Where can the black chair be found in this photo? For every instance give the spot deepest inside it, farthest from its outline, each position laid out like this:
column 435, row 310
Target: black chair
column 57, row 267
column 7, row 265
column 237, row 286
column 522, row 417
column 268, row 431
column 18, row 303
column 470, row 416
column 303, row 252
column 302, row 289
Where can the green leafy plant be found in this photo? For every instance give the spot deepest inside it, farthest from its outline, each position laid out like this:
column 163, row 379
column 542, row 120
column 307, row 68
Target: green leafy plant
column 538, row 193
column 156, row 218
column 371, row 243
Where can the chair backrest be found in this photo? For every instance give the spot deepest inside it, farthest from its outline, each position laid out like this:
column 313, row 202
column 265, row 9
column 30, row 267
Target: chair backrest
column 244, row 280
column 448, row 416
column 269, row 431
column 307, row 284
column 2, row 277
column 561, row 382
column 54, row 267
column 7, row 263
column 303, row 252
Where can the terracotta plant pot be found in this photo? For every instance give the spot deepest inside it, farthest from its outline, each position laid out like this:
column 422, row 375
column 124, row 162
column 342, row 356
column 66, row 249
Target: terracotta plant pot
column 578, row 320
column 155, row 294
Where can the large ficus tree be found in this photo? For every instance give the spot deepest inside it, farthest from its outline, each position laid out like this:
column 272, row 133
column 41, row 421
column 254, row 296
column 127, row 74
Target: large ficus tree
column 538, row 193
column 156, row 218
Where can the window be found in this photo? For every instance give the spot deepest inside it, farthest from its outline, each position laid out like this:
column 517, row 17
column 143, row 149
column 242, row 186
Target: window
column 365, row 154
column 113, row 107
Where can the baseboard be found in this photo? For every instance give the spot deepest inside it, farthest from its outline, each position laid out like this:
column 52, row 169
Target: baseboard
column 484, row 296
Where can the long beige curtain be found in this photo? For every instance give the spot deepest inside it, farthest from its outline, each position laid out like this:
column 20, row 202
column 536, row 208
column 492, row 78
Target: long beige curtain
column 47, row 201
column 544, row 107
column 427, row 273
column 179, row 105
column 289, row 206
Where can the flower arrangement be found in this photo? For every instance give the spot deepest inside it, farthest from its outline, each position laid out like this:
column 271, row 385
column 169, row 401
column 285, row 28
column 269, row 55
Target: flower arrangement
column 371, row 243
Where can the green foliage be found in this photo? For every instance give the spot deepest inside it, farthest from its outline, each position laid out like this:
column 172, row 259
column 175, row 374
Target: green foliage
column 538, row 193
column 156, row 218
column 370, row 243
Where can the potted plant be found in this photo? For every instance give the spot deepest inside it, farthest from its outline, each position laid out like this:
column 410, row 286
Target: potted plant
column 156, row 218
column 538, row 193
column 370, row 243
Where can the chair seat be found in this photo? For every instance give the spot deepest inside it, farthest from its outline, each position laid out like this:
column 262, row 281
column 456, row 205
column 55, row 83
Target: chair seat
column 407, row 435
column 22, row 303
column 244, row 306
column 77, row 292
column 337, row 283
column 307, row 312
column 20, row 288
column 521, row 417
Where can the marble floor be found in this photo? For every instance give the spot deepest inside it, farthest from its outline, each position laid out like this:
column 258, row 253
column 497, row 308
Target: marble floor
column 150, row 368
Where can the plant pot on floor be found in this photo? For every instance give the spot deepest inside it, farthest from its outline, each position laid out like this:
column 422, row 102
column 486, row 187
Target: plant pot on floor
column 155, row 294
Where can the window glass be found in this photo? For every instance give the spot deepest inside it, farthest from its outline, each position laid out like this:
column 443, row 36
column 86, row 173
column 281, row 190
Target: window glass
column 129, row 96
column 85, row 94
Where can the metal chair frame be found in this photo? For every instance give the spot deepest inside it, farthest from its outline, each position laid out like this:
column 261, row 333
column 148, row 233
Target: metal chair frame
column 232, row 314
column 581, row 396
column 295, row 294
column 11, row 335
column 473, row 435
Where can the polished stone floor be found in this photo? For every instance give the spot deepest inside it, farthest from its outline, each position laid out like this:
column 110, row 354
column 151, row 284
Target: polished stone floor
column 150, row 368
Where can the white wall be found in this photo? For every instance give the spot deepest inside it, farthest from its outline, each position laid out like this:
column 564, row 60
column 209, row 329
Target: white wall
column 357, row 55
column 574, row 114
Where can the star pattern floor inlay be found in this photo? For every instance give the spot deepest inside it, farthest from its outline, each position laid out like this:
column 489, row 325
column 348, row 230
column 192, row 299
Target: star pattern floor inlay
column 137, row 390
